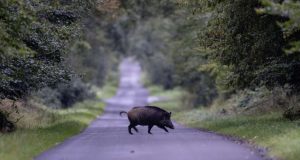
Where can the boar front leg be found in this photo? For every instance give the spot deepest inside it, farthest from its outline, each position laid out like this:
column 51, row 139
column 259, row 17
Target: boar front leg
column 149, row 129
column 134, row 127
column 163, row 127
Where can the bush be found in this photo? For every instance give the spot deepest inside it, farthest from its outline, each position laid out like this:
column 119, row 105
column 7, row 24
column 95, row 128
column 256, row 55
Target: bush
column 34, row 35
column 5, row 125
column 260, row 101
column 65, row 95
column 293, row 110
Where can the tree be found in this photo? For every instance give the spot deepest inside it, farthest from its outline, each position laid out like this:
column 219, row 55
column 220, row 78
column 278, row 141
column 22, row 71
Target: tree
column 248, row 45
column 34, row 35
column 187, row 57
column 143, row 30
column 289, row 20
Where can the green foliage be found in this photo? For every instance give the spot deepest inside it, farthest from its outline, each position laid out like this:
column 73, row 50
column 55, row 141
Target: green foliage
column 289, row 16
column 244, row 49
column 154, row 50
column 19, row 76
column 95, row 56
column 33, row 37
column 5, row 124
column 242, row 40
column 42, row 128
column 144, row 29
column 88, row 58
column 200, row 83
column 144, row 9
column 172, row 99
column 279, row 135
column 289, row 11
column 64, row 95
column 158, row 35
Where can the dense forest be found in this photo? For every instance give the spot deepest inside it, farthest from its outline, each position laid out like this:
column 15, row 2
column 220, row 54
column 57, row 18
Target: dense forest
column 231, row 57
column 217, row 50
column 56, row 50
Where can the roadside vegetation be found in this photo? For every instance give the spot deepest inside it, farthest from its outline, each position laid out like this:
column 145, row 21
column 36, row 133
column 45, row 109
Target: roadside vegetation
column 50, row 54
column 270, row 130
column 228, row 66
column 237, row 64
column 41, row 127
column 54, row 75
column 278, row 135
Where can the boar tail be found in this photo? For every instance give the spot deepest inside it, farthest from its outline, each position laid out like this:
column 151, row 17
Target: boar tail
column 122, row 113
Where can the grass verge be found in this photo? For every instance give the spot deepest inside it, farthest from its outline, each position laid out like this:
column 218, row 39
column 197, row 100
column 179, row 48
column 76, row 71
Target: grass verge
column 172, row 98
column 47, row 130
column 107, row 91
column 41, row 127
column 280, row 136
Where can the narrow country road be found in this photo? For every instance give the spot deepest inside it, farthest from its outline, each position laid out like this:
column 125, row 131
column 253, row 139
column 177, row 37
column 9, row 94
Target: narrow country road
column 107, row 138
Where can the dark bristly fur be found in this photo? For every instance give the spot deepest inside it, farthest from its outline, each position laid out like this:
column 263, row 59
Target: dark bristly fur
column 148, row 116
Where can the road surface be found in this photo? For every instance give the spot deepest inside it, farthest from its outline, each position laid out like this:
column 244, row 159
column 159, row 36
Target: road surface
column 107, row 137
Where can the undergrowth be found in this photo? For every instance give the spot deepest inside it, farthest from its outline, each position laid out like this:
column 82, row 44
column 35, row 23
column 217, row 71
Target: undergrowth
column 255, row 116
column 40, row 127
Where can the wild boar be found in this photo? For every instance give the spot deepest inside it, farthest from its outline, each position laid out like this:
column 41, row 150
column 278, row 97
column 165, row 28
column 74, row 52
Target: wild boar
column 148, row 116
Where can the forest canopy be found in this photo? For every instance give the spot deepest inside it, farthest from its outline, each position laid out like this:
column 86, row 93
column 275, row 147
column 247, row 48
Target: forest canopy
column 34, row 37
column 58, row 50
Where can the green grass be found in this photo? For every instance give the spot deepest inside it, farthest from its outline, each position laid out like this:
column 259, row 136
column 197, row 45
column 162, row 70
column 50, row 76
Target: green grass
column 107, row 91
column 41, row 127
column 173, row 98
column 160, row 92
column 280, row 136
column 54, row 127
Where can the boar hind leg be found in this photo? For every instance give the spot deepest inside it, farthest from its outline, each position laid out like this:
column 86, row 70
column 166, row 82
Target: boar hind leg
column 134, row 127
column 149, row 129
column 129, row 129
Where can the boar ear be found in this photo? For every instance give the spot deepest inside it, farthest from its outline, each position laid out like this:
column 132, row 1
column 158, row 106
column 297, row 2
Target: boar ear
column 170, row 113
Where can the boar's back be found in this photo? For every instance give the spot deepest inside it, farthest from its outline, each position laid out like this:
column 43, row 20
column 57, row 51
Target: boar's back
column 146, row 115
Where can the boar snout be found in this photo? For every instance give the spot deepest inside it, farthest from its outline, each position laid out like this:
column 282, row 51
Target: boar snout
column 169, row 124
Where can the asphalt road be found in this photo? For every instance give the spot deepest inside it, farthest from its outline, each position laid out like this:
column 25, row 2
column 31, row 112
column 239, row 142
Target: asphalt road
column 107, row 137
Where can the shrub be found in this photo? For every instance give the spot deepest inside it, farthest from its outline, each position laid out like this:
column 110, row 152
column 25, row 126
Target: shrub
column 260, row 101
column 5, row 125
column 65, row 95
